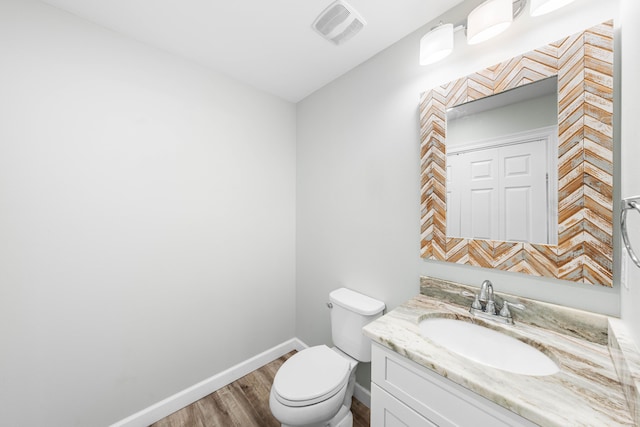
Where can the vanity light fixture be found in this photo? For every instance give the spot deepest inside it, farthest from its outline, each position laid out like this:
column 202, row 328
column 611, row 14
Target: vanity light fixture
column 488, row 20
column 436, row 44
column 484, row 22
column 541, row 7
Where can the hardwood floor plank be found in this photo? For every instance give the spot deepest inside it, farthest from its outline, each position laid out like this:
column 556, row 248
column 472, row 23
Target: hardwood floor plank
column 257, row 392
column 185, row 417
column 244, row 413
column 213, row 410
column 243, row 403
column 360, row 414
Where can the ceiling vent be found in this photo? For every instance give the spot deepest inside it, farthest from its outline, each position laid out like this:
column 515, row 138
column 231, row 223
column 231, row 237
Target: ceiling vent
column 338, row 22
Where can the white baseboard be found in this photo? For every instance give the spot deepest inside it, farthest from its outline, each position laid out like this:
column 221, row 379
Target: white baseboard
column 363, row 395
column 186, row 397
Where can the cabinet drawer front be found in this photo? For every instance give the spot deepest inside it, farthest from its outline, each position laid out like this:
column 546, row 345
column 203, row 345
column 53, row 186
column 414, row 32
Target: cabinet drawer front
column 442, row 401
column 387, row 411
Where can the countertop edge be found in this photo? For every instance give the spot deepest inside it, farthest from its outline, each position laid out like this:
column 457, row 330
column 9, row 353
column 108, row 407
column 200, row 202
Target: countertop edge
column 626, row 360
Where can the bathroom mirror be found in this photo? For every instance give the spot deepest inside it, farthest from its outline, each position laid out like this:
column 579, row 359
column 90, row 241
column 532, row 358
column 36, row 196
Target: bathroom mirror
column 501, row 165
column 580, row 248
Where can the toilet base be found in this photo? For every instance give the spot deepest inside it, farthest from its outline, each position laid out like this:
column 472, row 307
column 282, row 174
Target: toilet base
column 341, row 419
column 346, row 421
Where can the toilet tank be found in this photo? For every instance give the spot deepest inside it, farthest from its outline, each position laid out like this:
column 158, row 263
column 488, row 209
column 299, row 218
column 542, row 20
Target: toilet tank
column 350, row 312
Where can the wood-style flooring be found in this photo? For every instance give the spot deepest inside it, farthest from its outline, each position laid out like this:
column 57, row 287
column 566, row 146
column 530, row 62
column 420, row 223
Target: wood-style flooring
column 243, row 403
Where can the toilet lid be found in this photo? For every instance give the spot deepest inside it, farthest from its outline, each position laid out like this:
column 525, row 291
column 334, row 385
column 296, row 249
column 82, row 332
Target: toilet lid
column 310, row 376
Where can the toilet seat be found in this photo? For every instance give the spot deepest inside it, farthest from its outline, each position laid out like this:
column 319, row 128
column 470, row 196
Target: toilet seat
column 310, row 376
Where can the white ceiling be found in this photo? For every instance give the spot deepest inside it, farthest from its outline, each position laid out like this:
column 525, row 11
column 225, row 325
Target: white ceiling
column 268, row 44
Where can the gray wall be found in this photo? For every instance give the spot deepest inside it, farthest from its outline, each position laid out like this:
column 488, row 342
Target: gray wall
column 358, row 175
column 147, row 227
column 500, row 122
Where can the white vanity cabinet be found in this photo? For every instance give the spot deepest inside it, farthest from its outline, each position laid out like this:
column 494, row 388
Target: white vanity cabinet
column 404, row 393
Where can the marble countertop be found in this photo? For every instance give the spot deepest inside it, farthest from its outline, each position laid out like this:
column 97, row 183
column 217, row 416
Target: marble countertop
column 586, row 391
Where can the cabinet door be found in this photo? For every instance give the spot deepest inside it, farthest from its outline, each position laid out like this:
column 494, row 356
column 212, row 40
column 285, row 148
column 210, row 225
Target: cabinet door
column 438, row 399
column 387, row 411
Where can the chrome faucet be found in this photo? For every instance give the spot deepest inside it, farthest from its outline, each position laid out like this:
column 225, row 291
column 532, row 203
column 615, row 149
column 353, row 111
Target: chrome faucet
column 486, row 291
column 486, row 296
column 484, row 305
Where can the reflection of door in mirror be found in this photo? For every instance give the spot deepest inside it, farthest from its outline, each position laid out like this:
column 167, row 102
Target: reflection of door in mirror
column 502, row 189
column 502, row 166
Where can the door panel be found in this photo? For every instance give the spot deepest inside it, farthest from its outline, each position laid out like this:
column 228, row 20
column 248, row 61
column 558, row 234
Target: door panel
column 517, row 214
column 479, row 193
column 499, row 193
column 523, row 208
column 482, row 207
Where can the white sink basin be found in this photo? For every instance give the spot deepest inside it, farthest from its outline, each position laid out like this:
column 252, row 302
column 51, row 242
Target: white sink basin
column 486, row 346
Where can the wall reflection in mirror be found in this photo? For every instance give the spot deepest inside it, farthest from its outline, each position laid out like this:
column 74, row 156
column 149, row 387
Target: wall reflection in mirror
column 502, row 166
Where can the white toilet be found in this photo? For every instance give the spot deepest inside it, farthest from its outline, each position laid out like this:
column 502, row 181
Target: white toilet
column 314, row 387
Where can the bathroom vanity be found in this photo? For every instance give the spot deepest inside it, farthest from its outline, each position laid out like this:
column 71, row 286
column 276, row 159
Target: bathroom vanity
column 418, row 382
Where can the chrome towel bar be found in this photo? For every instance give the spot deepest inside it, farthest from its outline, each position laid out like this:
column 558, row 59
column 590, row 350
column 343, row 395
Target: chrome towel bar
column 629, row 203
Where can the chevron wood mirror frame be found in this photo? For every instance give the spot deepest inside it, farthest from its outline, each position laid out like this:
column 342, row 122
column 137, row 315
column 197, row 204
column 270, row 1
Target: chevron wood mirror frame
column 583, row 64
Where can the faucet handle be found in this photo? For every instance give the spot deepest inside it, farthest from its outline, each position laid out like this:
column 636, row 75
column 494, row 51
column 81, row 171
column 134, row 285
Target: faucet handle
column 476, row 302
column 505, row 312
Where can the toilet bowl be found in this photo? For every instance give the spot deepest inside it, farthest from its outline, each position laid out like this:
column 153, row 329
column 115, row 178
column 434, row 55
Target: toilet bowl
column 314, row 387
